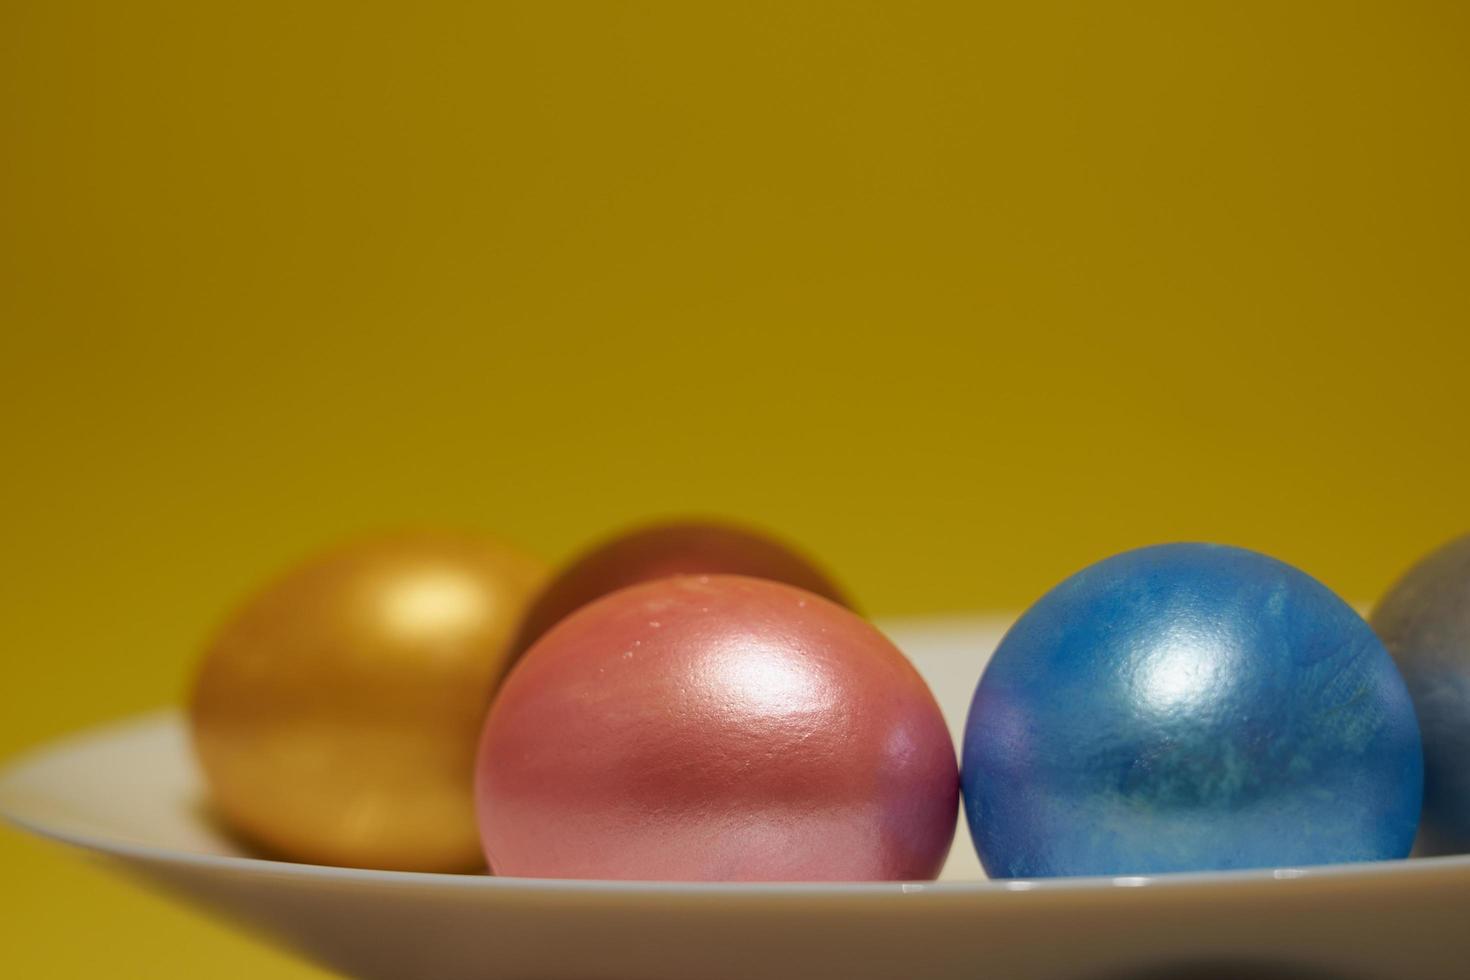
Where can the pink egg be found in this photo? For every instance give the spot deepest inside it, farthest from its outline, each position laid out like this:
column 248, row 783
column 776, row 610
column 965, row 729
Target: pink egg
column 716, row 728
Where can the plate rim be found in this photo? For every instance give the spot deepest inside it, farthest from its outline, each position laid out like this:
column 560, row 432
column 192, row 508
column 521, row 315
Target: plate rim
column 18, row 765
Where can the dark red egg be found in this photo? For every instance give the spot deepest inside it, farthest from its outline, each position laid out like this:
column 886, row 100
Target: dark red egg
column 661, row 550
column 716, row 728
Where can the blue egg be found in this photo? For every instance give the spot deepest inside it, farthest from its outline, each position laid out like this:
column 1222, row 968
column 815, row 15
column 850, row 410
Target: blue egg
column 1189, row 707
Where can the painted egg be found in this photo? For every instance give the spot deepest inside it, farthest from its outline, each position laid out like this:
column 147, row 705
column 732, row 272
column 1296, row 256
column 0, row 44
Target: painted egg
column 1424, row 620
column 1189, row 707
column 337, row 714
column 716, row 728
column 661, row 550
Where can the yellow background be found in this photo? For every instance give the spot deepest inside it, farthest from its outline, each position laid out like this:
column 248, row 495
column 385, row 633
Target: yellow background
column 961, row 296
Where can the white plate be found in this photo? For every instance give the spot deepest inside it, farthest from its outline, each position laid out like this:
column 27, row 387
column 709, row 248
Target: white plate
column 131, row 793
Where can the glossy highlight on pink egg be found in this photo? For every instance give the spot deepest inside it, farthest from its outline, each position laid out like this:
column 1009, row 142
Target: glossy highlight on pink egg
column 716, row 728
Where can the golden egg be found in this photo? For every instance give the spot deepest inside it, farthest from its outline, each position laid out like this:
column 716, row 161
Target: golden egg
column 336, row 715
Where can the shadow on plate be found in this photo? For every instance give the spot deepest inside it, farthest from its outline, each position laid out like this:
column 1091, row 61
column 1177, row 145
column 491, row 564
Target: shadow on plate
column 1232, row 969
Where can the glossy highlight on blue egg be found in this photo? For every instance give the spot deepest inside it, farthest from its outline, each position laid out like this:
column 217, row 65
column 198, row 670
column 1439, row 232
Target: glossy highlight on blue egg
column 1189, row 707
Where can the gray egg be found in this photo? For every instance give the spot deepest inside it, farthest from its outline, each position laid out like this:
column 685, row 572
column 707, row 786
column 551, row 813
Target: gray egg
column 1424, row 620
